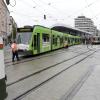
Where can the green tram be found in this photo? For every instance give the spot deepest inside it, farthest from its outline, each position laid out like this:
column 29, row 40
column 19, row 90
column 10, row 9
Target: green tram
column 40, row 39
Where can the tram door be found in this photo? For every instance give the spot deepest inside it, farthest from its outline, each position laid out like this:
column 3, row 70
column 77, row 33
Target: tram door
column 37, row 42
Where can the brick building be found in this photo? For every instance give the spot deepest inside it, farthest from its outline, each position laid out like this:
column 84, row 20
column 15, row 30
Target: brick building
column 4, row 19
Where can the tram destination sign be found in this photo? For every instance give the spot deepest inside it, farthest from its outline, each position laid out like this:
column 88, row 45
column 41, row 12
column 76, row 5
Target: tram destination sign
column 24, row 29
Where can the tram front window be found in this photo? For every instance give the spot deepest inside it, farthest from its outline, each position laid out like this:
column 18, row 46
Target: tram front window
column 24, row 37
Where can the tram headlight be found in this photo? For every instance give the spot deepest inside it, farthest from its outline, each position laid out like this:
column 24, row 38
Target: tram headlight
column 23, row 47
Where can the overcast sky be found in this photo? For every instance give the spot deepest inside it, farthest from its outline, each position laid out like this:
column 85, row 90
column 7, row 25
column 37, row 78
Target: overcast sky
column 30, row 12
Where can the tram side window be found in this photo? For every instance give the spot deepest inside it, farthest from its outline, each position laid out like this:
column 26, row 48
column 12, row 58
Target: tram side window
column 19, row 39
column 53, row 39
column 65, row 38
column 75, row 40
column 45, row 37
column 35, row 42
column 68, row 40
column 72, row 40
column 79, row 40
column 61, row 40
column 56, row 41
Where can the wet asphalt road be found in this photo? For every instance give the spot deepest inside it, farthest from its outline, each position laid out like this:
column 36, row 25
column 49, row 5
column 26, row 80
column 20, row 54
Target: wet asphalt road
column 51, row 76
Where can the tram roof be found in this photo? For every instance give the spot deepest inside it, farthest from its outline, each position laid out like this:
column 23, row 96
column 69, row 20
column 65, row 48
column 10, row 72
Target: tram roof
column 64, row 28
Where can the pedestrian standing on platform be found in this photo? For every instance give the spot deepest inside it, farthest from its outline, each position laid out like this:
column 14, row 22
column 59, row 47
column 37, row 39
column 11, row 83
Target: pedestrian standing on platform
column 14, row 51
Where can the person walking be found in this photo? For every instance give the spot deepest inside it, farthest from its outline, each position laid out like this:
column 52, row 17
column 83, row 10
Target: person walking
column 14, row 51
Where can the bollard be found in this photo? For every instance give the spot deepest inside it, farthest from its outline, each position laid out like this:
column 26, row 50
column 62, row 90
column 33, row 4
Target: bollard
column 3, row 93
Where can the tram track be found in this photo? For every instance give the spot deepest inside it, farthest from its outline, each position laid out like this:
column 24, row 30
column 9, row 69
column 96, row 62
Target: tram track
column 30, row 58
column 21, row 96
column 32, row 74
column 51, row 66
column 9, row 63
